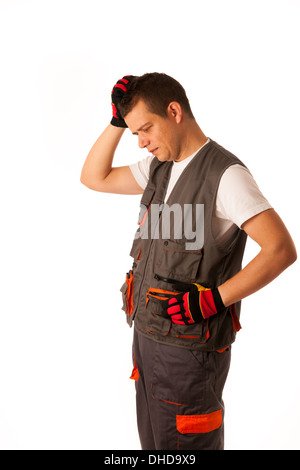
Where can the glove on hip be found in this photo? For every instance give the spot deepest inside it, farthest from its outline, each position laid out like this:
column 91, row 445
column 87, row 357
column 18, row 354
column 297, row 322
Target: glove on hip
column 193, row 306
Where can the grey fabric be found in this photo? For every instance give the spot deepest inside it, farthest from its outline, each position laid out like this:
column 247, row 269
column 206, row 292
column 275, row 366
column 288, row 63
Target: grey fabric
column 175, row 381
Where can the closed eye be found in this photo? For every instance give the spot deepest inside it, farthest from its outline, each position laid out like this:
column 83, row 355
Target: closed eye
column 143, row 129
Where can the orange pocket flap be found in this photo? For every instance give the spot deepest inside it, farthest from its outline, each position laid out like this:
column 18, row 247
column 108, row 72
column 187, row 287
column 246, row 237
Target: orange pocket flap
column 199, row 423
column 160, row 294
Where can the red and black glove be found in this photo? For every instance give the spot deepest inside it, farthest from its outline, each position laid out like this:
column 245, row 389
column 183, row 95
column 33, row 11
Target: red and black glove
column 117, row 94
column 193, row 306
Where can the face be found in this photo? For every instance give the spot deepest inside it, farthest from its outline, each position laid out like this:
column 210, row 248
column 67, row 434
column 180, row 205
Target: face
column 159, row 135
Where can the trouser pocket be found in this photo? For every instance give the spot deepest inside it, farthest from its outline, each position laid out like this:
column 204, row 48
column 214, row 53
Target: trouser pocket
column 199, row 424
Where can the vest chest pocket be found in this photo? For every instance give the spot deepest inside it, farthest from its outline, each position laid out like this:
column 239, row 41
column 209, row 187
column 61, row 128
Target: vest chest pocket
column 174, row 261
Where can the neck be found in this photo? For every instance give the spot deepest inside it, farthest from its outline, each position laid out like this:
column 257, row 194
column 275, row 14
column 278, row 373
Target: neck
column 193, row 138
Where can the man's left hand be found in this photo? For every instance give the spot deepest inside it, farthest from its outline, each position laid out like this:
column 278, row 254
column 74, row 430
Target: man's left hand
column 192, row 307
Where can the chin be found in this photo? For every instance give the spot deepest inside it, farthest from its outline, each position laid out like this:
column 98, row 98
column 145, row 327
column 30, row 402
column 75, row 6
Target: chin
column 164, row 158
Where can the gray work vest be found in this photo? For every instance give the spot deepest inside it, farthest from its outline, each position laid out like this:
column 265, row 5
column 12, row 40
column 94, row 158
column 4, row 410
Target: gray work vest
column 170, row 254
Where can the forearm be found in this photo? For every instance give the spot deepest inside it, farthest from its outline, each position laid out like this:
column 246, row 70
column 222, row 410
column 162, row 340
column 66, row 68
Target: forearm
column 98, row 163
column 259, row 272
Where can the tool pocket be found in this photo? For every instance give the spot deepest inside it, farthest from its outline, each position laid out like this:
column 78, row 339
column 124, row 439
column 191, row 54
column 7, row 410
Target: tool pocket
column 198, row 333
column 159, row 321
column 175, row 261
column 179, row 378
column 157, row 297
column 127, row 294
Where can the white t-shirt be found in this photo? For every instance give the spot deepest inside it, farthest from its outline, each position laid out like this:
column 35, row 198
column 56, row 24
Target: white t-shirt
column 238, row 197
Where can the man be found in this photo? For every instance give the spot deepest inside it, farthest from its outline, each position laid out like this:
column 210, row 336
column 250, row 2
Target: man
column 182, row 294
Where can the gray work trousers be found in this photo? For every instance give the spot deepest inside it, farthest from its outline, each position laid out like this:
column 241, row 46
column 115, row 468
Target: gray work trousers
column 179, row 396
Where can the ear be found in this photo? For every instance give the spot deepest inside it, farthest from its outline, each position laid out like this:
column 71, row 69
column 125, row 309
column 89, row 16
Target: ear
column 174, row 111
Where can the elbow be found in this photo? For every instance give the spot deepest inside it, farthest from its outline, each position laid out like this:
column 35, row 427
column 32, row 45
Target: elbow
column 91, row 183
column 293, row 255
column 83, row 180
column 287, row 254
column 86, row 181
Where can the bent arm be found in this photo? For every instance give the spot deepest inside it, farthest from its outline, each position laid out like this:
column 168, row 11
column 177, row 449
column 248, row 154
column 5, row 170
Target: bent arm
column 277, row 253
column 97, row 172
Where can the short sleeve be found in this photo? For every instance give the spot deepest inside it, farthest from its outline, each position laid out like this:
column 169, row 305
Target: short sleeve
column 141, row 170
column 239, row 197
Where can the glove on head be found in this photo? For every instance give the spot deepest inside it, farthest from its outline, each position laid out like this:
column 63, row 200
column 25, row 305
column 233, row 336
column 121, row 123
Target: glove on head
column 117, row 94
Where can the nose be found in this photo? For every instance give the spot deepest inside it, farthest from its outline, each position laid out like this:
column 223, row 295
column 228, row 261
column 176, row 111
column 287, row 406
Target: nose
column 143, row 141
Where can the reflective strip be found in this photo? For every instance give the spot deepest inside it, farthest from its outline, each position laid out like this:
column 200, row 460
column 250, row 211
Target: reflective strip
column 199, row 423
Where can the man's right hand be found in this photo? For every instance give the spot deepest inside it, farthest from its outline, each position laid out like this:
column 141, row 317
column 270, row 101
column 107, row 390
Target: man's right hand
column 97, row 172
column 117, row 94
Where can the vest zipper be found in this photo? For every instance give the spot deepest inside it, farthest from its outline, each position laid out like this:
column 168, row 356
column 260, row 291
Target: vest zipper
column 184, row 286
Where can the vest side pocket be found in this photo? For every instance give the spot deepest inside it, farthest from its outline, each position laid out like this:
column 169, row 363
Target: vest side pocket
column 198, row 332
column 157, row 323
column 127, row 296
column 123, row 291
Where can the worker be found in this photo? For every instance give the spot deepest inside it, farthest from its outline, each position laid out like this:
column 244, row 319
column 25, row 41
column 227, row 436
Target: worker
column 183, row 292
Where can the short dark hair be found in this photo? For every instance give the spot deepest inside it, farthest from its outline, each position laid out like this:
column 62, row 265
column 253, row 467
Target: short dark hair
column 157, row 90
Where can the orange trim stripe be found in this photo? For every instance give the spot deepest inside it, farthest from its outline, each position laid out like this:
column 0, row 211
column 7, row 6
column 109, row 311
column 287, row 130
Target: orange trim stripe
column 172, row 402
column 222, row 350
column 235, row 321
column 135, row 373
column 129, row 295
column 188, row 336
column 142, row 222
column 197, row 424
column 159, row 294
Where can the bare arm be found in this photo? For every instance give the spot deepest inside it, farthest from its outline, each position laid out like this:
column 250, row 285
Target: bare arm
column 97, row 172
column 277, row 253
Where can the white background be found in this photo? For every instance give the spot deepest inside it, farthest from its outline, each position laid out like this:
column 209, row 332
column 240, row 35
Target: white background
column 65, row 349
